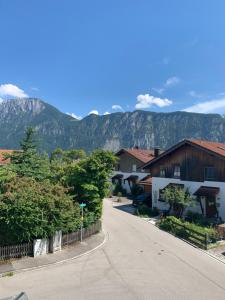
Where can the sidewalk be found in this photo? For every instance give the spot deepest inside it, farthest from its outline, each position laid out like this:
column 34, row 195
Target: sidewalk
column 218, row 252
column 69, row 252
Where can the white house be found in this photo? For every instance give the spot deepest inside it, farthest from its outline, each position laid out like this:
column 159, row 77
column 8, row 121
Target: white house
column 196, row 165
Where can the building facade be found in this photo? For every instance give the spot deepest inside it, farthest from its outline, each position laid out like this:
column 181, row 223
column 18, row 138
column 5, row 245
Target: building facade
column 197, row 166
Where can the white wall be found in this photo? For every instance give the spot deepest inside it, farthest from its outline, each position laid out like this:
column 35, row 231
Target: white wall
column 125, row 185
column 159, row 183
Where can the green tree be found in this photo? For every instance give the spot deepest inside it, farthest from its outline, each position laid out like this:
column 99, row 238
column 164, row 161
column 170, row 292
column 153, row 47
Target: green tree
column 30, row 209
column 89, row 180
column 61, row 161
column 178, row 199
column 27, row 161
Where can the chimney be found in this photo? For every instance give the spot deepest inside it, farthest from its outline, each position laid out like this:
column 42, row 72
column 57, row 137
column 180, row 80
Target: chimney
column 156, row 151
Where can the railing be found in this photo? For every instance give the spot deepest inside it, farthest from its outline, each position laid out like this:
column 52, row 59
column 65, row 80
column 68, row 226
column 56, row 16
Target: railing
column 73, row 237
column 199, row 239
column 16, row 251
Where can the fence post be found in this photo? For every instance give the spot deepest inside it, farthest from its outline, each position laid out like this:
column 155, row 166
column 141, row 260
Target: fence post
column 206, row 241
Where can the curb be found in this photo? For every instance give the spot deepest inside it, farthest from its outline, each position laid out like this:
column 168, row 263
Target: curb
column 61, row 261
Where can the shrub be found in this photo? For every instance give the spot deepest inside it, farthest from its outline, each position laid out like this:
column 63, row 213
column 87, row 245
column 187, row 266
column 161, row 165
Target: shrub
column 136, row 190
column 145, row 211
column 119, row 189
column 197, row 218
column 30, row 209
column 171, row 224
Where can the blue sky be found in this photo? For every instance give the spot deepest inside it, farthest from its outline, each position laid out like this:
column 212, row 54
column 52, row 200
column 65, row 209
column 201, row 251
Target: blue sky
column 115, row 55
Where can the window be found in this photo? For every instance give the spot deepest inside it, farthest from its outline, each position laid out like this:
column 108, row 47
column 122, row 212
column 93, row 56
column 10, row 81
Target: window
column 162, row 172
column 209, row 173
column 176, row 172
column 134, row 168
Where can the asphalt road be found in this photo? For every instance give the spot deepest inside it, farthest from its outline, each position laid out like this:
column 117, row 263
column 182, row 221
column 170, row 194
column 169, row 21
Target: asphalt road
column 138, row 261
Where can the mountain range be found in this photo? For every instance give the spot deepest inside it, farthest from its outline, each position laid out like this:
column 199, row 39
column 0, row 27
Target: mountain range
column 144, row 129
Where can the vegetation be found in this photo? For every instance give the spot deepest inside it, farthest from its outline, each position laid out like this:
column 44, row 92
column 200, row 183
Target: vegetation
column 88, row 180
column 136, row 190
column 187, row 230
column 39, row 195
column 178, row 199
column 197, row 218
column 144, row 211
column 30, row 209
column 28, row 162
column 119, row 189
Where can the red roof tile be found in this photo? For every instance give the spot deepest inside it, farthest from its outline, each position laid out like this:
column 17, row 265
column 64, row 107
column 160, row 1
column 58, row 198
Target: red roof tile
column 218, row 148
column 2, row 152
column 141, row 154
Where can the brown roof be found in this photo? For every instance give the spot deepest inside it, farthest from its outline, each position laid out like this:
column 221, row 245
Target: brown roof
column 207, row 191
column 147, row 180
column 141, row 154
column 2, row 152
column 212, row 147
column 218, row 148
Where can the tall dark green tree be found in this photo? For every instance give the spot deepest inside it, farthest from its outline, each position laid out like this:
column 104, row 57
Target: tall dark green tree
column 27, row 161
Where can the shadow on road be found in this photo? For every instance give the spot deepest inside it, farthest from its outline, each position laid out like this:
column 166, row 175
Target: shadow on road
column 128, row 208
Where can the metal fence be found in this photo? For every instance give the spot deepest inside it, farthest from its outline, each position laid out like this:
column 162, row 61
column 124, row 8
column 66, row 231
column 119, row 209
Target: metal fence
column 73, row 237
column 16, row 251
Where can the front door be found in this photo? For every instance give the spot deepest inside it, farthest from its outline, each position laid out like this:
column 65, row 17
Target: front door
column 210, row 206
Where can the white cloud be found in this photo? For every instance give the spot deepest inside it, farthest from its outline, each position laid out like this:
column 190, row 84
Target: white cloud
column 106, row 113
column 172, row 81
column 194, row 94
column 158, row 90
column 207, row 107
column 74, row 116
column 35, row 89
column 146, row 101
column 117, row 107
column 94, row 112
column 12, row 91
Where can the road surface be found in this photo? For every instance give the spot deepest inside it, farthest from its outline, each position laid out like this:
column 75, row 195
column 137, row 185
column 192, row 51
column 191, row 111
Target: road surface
column 138, row 261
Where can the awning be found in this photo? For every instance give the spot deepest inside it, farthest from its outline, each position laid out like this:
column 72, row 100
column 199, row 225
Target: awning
column 117, row 176
column 173, row 185
column 207, row 191
column 132, row 177
column 147, row 180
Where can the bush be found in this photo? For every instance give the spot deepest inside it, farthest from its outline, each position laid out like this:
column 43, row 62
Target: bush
column 197, row 218
column 136, row 190
column 30, row 210
column 119, row 189
column 145, row 211
column 171, row 224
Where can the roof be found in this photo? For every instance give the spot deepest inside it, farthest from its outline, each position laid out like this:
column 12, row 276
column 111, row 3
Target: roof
column 215, row 148
column 143, row 155
column 147, row 180
column 2, row 152
column 207, row 191
column 173, row 186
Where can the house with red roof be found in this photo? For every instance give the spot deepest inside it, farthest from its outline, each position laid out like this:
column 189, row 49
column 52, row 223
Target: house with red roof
column 4, row 161
column 197, row 166
column 129, row 171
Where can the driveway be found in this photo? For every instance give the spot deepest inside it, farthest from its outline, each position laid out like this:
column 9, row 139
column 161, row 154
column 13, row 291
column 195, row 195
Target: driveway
column 138, row 261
